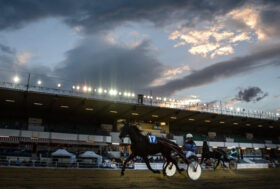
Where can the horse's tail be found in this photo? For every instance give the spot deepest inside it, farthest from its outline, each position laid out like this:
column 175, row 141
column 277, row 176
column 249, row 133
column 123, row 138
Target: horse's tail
column 172, row 146
column 223, row 154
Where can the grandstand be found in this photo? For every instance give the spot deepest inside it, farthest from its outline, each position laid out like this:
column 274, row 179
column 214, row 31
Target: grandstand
column 35, row 121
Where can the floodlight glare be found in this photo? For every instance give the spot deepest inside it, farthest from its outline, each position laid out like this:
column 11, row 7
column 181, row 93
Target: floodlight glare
column 113, row 92
column 59, row 85
column 85, row 89
column 73, row 87
column 16, row 79
column 100, row 90
column 39, row 82
column 89, row 89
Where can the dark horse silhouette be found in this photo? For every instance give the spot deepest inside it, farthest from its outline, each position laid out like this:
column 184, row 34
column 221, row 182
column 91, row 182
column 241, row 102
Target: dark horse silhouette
column 140, row 146
column 217, row 154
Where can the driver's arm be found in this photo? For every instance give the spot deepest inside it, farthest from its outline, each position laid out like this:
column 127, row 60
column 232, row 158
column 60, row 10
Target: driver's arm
column 186, row 146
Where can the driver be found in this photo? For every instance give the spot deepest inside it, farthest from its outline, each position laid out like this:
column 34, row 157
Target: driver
column 233, row 154
column 189, row 146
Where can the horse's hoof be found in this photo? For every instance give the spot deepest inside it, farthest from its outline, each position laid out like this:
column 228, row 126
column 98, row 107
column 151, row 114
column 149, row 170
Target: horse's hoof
column 181, row 170
column 157, row 172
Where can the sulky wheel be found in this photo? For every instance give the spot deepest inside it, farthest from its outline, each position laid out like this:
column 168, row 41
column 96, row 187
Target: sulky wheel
column 194, row 170
column 170, row 169
column 232, row 164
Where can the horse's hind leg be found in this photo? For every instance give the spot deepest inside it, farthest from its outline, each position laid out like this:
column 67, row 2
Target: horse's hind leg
column 170, row 159
column 164, row 168
column 130, row 157
column 149, row 166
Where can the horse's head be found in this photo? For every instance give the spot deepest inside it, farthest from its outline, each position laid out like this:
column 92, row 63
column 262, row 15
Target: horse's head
column 129, row 130
column 124, row 131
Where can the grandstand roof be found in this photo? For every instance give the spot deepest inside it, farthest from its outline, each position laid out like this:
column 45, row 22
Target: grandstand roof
column 38, row 104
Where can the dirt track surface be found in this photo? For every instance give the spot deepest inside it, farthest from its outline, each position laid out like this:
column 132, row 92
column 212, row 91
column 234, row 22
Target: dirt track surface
column 11, row 178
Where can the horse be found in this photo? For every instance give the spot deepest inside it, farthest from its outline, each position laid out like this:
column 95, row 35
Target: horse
column 217, row 154
column 141, row 146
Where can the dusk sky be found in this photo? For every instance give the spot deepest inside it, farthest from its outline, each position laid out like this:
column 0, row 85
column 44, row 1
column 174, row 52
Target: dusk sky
column 204, row 51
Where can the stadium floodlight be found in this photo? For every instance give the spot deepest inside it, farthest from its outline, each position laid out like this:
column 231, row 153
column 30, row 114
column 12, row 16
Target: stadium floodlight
column 114, row 111
column 125, row 94
column 238, row 109
column 73, row 87
column 10, row 100
column 89, row 109
column 38, row 103
column 256, row 148
column 164, row 99
column 89, row 89
column 120, row 93
column 39, row 82
column 128, row 94
column 133, row 95
column 59, row 85
column 105, row 91
column 113, row 92
column 85, row 88
column 16, row 79
column 78, row 87
column 100, row 90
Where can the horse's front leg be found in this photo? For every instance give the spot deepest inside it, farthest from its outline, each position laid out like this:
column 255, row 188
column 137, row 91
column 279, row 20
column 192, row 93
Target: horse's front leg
column 130, row 157
column 215, row 167
column 149, row 166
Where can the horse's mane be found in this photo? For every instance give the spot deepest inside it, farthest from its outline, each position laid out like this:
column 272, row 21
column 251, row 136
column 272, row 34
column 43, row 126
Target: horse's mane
column 136, row 129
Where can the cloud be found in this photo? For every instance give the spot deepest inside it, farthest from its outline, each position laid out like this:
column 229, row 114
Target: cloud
column 268, row 56
column 251, row 94
column 94, row 16
column 218, row 37
column 170, row 74
column 6, row 49
column 102, row 64
column 23, row 57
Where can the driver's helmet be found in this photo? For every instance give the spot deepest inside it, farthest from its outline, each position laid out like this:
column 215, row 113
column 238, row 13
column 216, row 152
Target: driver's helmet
column 189, row 135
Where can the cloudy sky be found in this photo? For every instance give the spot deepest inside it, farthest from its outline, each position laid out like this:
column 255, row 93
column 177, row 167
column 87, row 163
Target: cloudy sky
column 207, row 51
